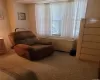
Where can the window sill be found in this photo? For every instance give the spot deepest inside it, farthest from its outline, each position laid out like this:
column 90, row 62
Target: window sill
column 56, row 37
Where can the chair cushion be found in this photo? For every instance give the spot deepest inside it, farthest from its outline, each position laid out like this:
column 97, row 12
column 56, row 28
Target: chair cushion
column 31, row 41
column 20, row 41
column 24, row 37
column 38, row 46
column 28, row 41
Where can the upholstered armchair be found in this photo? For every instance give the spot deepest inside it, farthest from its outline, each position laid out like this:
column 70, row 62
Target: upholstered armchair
column 26, row 45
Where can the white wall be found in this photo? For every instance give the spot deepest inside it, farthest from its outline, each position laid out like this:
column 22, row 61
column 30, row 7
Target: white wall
column 13, row 9
column 10, row 4
column 4, row 24
column 22, row 23
column 31, row 13
column 93, row 9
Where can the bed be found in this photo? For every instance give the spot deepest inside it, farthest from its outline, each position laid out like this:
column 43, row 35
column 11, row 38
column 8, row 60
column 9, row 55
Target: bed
column 14, row 67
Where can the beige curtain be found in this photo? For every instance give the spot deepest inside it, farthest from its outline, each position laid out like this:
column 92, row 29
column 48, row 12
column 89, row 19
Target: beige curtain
column 60, row 19
column 72, row 13
column 42, row 12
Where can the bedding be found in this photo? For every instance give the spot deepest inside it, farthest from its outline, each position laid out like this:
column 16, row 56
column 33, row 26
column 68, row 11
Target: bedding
column 18, row 68
column 19, row 73
column 4, row 76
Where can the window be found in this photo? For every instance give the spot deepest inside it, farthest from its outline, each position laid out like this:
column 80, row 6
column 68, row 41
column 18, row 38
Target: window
column 55, row 19
column 60, row 18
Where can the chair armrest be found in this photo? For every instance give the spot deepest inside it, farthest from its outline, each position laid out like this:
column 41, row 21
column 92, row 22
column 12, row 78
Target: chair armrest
column 23, row 46
column 44, row 43
column 22, row 50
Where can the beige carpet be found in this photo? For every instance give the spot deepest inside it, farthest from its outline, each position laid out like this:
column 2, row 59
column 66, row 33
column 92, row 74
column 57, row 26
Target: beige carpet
column 71, row 67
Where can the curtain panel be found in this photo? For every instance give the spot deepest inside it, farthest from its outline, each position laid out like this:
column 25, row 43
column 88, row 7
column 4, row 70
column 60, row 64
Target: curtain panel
column 60, row 19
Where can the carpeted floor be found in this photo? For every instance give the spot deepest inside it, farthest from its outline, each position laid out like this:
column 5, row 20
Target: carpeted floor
column 71, row 67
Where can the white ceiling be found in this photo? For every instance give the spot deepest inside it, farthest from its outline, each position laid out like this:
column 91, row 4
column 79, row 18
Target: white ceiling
column 38, row 1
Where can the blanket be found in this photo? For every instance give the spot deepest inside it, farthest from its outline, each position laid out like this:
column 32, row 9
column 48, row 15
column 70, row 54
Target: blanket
column 20, row 73
column 22, row 69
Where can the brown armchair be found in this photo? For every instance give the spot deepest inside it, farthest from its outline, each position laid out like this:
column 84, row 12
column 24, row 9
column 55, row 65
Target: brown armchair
column 28, row 46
